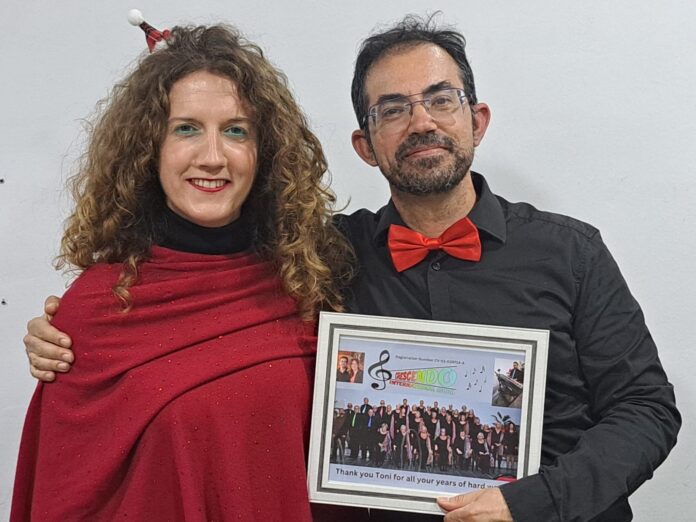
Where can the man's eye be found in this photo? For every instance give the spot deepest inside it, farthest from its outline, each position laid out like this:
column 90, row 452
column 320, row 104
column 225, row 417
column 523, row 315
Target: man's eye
column 441, row 101
column 392, row 111
column 236, row 132
column 185, row 129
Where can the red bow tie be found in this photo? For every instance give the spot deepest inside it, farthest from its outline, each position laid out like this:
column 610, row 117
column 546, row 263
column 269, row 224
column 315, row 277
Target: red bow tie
column 408, row 247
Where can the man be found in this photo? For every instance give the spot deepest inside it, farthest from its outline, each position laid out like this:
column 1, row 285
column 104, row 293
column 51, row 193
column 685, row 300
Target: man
column 355, row 426
column 343, row 373
column 420, row 121
column 368, row 436
column 610, row 417
column 515, row 373
column 381, row 413
column 349, row 413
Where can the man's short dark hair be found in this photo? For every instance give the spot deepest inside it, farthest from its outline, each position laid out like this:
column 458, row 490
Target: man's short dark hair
column 409, row 32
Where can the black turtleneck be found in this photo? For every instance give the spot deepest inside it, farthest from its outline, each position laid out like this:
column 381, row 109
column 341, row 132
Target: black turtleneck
column 177, row 233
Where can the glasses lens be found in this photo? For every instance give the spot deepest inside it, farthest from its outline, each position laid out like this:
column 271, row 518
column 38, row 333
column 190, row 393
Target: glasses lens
column 443, row 102
column 393, row 110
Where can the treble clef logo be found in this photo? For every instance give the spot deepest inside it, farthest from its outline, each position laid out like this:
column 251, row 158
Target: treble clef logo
column 378, row 373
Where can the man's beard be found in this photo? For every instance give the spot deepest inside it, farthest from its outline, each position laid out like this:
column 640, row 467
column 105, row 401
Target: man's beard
column 431, row 175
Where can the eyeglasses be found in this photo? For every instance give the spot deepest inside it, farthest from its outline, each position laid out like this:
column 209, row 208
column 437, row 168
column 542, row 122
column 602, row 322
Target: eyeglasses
column 394, row 115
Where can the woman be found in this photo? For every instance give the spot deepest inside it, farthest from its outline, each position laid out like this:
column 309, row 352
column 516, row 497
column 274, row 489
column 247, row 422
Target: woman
column 384, row 444
column 512, row 441
column 432, row 423
column 389, row 420
column 462, row 424
column 482, row 453
column 471, row 422
column 356, row 374
column 402, row 448
column 200, row 190
column 423, row 449
column 450, row 426
column 476, row 427
column 416, row 421
column 497, row 441
column 338, row 435
column 401, row 418
column 442, row 449
column 461, row 451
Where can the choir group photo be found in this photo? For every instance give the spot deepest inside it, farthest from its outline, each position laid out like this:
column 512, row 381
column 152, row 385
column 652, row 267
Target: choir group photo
column 429, row 438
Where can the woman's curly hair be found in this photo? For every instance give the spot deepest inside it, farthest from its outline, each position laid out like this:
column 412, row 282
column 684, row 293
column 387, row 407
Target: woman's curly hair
column 119, row 198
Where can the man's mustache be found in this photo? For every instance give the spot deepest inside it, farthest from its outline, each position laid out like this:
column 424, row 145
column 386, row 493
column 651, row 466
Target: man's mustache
column 420, row 140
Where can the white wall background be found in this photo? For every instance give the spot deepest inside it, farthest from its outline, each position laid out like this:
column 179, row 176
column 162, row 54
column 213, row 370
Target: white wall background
column 594, row 115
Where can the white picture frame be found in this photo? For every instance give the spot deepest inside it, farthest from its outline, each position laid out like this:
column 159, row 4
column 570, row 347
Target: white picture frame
column 395, row 360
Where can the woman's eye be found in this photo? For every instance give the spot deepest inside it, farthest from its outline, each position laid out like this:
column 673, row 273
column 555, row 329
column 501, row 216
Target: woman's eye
column 185, row 129
column 236, row 132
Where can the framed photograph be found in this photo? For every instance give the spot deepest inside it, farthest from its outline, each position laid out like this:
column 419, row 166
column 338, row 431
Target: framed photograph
column 409, row 410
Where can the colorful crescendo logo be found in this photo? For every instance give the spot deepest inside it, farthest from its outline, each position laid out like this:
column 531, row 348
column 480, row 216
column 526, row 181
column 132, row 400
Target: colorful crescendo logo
column 443, row 377
column 438, row 379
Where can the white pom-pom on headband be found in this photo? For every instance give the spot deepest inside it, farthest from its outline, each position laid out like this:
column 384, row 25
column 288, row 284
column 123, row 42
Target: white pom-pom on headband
column 152, row 35
column 135, row 17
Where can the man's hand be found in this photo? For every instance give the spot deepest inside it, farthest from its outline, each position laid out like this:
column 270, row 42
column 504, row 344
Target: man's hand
column 487, row 505
column 47, row 348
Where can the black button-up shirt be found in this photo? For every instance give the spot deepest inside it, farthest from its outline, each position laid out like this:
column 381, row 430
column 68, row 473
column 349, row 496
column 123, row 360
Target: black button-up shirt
column 610, row 417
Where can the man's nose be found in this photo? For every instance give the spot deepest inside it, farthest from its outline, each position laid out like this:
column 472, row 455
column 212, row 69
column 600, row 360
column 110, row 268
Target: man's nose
column 421, row 121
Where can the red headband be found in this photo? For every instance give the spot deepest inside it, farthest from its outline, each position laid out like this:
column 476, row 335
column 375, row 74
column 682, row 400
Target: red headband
column 152, row 35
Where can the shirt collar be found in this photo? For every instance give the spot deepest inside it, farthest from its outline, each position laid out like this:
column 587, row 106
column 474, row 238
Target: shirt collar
column 487, row 214
column 178, row 233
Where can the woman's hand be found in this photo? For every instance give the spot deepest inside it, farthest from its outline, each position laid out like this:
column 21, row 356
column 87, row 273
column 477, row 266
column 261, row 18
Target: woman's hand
column 47, row 348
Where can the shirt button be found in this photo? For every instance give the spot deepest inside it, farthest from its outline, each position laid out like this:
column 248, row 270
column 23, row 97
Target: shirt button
column 435, row 266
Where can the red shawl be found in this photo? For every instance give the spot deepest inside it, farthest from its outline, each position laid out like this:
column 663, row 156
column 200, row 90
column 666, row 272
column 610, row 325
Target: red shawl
column 193, row 406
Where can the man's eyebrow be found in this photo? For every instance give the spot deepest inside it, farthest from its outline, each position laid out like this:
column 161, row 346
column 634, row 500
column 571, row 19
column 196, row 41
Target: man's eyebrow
column 444, row 84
